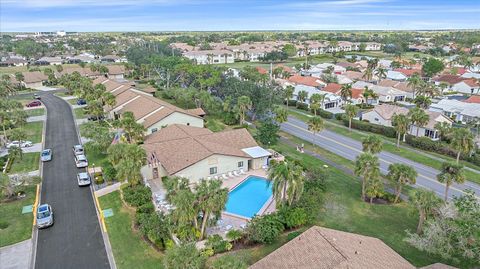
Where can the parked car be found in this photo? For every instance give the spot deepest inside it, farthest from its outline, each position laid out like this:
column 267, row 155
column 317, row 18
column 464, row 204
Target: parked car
column 81, row 161
column 78, row 150
column 83, row 179
column 95, row 118
column 81, row 102
column 36, row 96
column 44, row 216
column 46, row 155
column 23, row 144
column 34, row 103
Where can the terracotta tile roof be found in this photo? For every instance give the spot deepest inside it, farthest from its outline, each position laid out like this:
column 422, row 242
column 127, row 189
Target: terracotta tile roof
column 386, row 111
column 324, row 248
column 305, row 80
column 357, row 93
column 471, row 82
column 33, row 77
column 179, row 146
column 116, row 69
column 409, row 72
column 284, row 67
column 450, row 79
column 399, row 85
column 473, row 99
column 197, row 111
column 332, row 87
column 353, row 75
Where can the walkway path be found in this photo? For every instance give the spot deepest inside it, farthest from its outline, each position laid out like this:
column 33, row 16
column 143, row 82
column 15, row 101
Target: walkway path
column 16, row 256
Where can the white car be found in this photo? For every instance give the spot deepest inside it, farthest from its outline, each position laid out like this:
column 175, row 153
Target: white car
column 78, row 150
column 83, row 179
column 23, row 144
column 81, row 161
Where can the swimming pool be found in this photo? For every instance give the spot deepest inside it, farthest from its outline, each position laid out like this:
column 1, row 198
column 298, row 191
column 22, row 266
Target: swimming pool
column 249, row 197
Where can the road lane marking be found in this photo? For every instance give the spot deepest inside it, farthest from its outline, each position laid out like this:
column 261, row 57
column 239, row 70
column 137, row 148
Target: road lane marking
column 359, row 151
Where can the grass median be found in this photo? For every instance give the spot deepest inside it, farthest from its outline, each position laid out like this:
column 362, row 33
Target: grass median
column 28, row 162
column 15, row 226
column 33, row 130
column 129, row 249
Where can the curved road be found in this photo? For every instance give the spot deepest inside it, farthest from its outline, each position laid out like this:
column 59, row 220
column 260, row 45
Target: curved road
column 350, row 149
column 75, row 240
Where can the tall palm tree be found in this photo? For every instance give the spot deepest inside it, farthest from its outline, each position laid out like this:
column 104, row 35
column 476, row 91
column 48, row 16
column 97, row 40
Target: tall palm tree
column 372, row 144
column 132, row 129
column 315, row 125
column 346, row 92
column 444, row 129
column 7, row 188
column 243, row 103
column 212, row 199
column 400, row 175
column 425, row 202
column 400, row 122
column 422, row 101
column 281, row 114
column 289, row 90
column 450, row 173
column 414, row 82
column 381, row 73
column 302, row 97
column 287, row 179
column 462, row 142
column 316, row 102
column 351, row 111
column 368, row 74
column 367, row 167
column 418, row 117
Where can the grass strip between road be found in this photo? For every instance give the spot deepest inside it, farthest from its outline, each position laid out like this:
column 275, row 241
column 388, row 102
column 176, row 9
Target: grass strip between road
column 33, row 130
column 28, row 162
column 35, row 112
column 391, row 148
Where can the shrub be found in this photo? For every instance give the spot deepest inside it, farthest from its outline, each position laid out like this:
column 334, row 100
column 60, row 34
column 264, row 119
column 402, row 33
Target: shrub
column 291, row 102
column 323, row 113
column 234, row 235
column 99, row 180
column 184, row 256
column 340, row 116
column 373, row 128
column 292, row 217
column 217, row 243
column 264, row 229
column 292, row 235
column 229, row 262
column 302, row 106
column 154, row 227
column 137, row 195
column 146, row 208
column 109, row 172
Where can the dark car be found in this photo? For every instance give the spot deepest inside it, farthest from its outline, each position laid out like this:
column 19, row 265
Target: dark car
column 95, row 118
column 81, row 102
column 36, row 96
column 34, row 103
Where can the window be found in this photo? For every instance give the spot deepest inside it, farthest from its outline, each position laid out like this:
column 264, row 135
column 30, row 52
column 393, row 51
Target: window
column 188, row 123
column 154, row 130
column 376, row 119
column 240, row 164
column 213, row 170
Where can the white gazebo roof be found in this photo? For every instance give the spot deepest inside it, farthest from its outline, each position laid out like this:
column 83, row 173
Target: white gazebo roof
column 256, row 152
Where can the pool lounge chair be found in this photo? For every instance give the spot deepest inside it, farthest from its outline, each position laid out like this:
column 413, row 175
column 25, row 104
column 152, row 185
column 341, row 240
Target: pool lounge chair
column 230, row 174
column 224, row 176
column 236, row 173
column 242, row 172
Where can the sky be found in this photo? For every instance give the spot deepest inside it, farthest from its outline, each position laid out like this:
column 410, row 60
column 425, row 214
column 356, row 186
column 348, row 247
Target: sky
column 233, row 15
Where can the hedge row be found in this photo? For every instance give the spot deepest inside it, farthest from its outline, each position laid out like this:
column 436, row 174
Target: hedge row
column 373, row 128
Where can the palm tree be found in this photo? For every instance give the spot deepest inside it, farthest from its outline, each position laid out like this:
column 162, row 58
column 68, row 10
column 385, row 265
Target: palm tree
column 372, row 144
column 425, row 202
column 381, row 73
column 15, row 153
column 367, row 167
column 244, row 103
column 132, row 129
column 7, row 189
column 422, row 101
column 287, row 179
column 302, row 97
column 315, row 125
column 351, row 112
column 400, row 175
column 462, row 142
column 346, row 92
column 129, row 165
column 400, row 122
column 418, row 117
column 414, row 82
column 316, row 102
column 450, row 173
column 289, row 90
column 368, row 75
column 281, row 114
column 212, row 199
column 444, row 129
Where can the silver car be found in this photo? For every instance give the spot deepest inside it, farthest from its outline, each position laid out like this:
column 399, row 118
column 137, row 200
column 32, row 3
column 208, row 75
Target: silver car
column 81, row 161
column 78, row 150
column 46, row 155
column 23, row 144
column 83, row 179
column 44, row 216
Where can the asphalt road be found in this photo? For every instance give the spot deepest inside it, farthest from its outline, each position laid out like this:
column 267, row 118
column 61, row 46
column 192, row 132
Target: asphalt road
column 350, row 149
column 75, row 240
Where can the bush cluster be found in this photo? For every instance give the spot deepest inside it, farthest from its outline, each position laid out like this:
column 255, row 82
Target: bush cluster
column 302, row 106
column 291, row 102
column 373, row 128
column 264, row 229
column 218, row 244
column 137, row 195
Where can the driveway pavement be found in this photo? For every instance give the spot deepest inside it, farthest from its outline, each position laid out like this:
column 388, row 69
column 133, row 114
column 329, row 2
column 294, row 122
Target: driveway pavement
column 350, row 148
column 36, row 118
column 75, row 241
column 16, row 256
column 34, row 148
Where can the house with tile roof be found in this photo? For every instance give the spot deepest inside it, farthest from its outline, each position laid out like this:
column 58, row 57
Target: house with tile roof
column 467, row 86
column 385, row 94
column 324, row 248
column 456, row 110
column 33, row 79
column 198, row 153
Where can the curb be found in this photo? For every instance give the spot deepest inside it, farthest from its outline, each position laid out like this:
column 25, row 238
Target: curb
column 106, row 240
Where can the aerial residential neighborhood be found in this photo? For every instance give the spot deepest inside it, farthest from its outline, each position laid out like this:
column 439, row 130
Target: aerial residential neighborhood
column 274, row 134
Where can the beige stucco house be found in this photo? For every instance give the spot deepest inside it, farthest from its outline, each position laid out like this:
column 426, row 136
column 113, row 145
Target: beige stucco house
column 198, row 153
column 383, row 114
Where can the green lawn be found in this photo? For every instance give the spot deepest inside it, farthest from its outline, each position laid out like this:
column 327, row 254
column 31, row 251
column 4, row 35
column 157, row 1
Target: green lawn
column 80, row 113
column 29, row 162
column 388, row 146
column 73, row 101
column 35, row 112
column 213, row 124
column 15, row 226
column 95, row 157
column 33, row 131
column 129, row 249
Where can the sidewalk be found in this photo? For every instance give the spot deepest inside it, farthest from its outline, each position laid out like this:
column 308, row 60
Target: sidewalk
column 36, row 118
column 16, row 256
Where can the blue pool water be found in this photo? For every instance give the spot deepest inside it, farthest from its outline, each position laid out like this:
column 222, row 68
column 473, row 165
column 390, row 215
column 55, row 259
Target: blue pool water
column 249, row 197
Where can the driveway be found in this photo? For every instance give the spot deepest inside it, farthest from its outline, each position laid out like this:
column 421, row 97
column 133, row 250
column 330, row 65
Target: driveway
column 350, row 149
column 16, row 256
column 75, row 241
